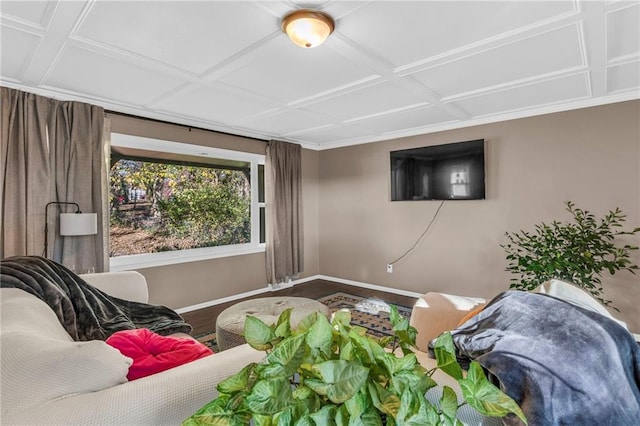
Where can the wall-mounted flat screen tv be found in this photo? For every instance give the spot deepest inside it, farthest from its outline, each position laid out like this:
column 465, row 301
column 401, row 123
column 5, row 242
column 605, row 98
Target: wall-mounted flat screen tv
column 453, row 171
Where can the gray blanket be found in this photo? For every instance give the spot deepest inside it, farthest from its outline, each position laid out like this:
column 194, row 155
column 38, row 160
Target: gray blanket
column 85, row 312
column 564, row 365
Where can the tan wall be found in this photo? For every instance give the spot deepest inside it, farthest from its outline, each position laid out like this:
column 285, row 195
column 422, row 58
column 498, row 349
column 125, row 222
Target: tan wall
column 590, row 156
column 191, row 283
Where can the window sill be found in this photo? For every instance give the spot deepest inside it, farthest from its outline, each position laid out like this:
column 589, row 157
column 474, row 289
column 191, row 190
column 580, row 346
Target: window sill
column 140, row 261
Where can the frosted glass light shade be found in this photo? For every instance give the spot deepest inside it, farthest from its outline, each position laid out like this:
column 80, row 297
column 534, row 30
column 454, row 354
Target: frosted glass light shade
column 308, row 28
column 78, row 224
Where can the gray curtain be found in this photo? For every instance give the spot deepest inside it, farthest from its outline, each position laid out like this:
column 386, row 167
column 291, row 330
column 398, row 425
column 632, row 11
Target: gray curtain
column 283, row 181
column 51, row 151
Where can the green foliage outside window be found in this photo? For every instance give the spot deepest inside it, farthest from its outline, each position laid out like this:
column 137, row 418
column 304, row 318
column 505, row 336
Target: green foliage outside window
column 162, row 207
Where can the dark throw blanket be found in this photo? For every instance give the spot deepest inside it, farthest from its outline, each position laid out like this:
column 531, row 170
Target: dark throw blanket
column 564, row 365
column 85, row 312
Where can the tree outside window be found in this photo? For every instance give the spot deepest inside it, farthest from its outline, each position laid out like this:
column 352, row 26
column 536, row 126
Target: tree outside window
column 160, row 206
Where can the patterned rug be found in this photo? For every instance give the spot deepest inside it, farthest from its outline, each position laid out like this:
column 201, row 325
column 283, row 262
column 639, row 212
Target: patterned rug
column 209, row 340
column 370, row 313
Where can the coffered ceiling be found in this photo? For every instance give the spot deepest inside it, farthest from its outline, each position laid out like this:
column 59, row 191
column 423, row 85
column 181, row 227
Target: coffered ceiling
column 390, row 69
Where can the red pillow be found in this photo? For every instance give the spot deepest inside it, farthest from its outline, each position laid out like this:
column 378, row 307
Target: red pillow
column 153, row 353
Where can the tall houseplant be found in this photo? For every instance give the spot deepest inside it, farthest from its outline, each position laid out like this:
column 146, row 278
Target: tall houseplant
column 332, row 373
column 578, row 251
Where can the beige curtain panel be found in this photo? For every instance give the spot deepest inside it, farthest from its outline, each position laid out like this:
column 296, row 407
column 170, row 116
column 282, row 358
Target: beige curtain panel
column 51, row 151
column 284, row 234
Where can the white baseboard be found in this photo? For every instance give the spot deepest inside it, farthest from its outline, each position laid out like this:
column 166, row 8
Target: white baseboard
column 369, row 286
column 272, row 289
column 267, row 289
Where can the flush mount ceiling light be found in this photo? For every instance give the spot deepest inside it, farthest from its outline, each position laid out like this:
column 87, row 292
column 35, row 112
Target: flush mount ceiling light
column 308, row 28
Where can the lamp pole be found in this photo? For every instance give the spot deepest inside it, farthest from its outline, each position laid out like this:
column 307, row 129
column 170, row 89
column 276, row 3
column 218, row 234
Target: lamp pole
column 46, row 222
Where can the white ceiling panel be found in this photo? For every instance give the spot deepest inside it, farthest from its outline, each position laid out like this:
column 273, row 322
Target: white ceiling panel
column 17, row 46
column 193, row 36
column 410, row 119
column 34, row 13
column 213, row 104
column 290, row 73
column 623, row 32
column 548, row 92
column 521, row 59
column 96, row 75
column 391, row 68
column 404, row 32
column 624, row 77
column 367, row 101
column 286, row 122
column 331, row 134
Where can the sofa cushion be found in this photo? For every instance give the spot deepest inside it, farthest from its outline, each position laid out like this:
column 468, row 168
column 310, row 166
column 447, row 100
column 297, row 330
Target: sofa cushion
column 40, row 362
column 24, row 311
column 153, row 353
column 435, row 313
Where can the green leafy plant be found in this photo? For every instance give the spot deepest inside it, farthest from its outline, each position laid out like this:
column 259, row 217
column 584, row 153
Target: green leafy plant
column 578, row 251
column 333, row 373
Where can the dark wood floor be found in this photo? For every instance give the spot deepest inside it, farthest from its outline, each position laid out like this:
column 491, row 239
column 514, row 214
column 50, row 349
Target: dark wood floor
column 204, row 320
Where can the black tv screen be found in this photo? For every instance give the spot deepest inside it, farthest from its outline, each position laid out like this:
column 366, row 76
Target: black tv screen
column 452, row 171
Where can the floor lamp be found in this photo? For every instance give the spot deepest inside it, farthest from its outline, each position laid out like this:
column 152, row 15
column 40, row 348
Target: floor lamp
column 71, row 224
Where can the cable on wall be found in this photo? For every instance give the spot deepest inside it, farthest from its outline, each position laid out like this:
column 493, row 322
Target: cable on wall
column 406, row 253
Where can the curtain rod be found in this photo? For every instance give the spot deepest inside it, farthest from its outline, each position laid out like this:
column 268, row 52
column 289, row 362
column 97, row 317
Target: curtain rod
column 124, row 114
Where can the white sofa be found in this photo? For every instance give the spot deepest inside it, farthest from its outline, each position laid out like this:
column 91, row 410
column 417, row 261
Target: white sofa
column 48, row 379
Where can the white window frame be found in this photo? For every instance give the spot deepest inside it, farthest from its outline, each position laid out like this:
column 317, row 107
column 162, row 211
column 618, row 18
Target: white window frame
column 148, row 260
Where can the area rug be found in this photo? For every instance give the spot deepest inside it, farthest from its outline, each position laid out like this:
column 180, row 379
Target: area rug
column 209, row 340
column 370, row 313
column 363, row 312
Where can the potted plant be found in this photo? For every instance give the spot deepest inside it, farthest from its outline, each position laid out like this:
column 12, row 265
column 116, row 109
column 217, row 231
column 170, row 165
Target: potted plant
column 333, row 373
column 578, row 251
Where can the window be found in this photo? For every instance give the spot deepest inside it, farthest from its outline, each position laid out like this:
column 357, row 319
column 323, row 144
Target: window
column 172, row 202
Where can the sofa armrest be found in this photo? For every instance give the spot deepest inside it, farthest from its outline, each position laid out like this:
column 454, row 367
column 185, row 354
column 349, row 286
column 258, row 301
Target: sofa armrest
column 166, row 398
column 434, row 313
column 127, row 285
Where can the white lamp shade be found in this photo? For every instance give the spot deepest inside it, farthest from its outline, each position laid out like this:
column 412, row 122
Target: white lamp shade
column 78, row 223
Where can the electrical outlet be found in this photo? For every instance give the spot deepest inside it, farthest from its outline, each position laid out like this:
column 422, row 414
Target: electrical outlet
column 389, row 268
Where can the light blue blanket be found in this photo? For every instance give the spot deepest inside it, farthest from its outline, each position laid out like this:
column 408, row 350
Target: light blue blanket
column 564, row 365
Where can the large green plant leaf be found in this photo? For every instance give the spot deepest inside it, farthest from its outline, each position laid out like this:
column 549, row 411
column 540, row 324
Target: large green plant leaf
column 415, row 410
column 446, row 356
column 320, row 337
column 269, row 396
column 404, row 380
column 262, row 420
column 258, row 334
column 383, row 399
column 307, row 322
column 340, row 379
column 325, row 417
column 307, row 398
column 285, row 358
column 405, row 333
column 347, row 350
column 216, row 413
column 449, row 405
column 283, row 325
column 368, row 347
column 239, row 382
column 342, row 416
column 342, row 317
column 485, row 397
column 304, row 421
column 356, row 405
